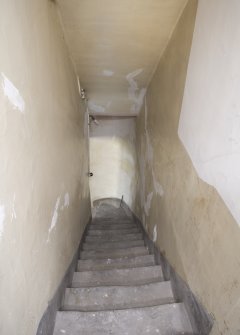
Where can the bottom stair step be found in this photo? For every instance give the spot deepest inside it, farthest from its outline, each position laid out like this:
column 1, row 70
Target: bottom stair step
column 117, row 297
column 116, row 263
column 163, row 320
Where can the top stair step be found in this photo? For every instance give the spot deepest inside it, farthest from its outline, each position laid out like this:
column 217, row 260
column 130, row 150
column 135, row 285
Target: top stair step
column 112, row 226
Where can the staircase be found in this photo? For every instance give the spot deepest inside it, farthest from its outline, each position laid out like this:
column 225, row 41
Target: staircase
column 118, row 289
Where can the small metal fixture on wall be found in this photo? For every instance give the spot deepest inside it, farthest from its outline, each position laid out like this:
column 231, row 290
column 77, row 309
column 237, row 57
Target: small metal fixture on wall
column 93, row 119
column 83, row 94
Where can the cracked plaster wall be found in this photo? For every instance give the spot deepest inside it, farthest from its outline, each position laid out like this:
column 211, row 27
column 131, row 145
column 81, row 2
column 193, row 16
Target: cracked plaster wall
column 44, row 194
column 188, row 220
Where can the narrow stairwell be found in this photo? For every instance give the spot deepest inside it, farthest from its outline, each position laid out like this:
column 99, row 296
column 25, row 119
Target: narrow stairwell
column 118, row 288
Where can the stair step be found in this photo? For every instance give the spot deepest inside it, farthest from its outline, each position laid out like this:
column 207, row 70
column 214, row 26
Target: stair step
column 113, row 232
column 112, row 245
column 112, row 226
column 112, row 220
column 163, row 320
column 117, row 297
column 119, row 263
column 115, row 238
column 118, row 277
column 113, row 253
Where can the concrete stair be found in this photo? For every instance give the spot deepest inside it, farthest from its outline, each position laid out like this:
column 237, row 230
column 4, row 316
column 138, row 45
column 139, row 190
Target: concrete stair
column 118, row 277
column 110, row 233
column 111, row 226
column 115, row 238
column 164, row 320
column 117, row 287
column 113, row 245
column 116, row 263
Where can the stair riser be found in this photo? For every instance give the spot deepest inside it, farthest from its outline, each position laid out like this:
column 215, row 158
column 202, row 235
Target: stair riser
column 101, row 254
column 111, row 226
column 128, row 237
column 118, row 263
column 118, row 277
column 112, row 220
column 112, row 298
column 164, row 320
column 113, row 233
column 112, row 245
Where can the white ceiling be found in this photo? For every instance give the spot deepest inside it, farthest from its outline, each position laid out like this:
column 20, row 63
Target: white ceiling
column 116, row 46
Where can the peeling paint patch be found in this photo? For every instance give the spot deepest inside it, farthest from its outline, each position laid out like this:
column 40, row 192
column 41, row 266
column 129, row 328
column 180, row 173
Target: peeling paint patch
column 157, row 187
column 149, row 148
column 12, row 93
column 13, row 213
column 66, row 201
column 109, row 104
column 2, row 218
column 96, row 108
column 147, row 204
column 54, row 217
column 135, row 94
column 144, row 220
column 155, row 233
column 79, row 86
column 108, row 73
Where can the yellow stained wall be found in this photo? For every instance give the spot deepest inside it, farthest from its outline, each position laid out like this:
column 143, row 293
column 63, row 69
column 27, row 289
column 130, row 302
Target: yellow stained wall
column 44, row 193
column 185, row 216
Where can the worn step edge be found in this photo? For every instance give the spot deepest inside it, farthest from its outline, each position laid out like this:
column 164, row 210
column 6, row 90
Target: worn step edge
column 113, row 263
column 163, row 319
column 118, row 277
column 112, row 245
column 119, row 222
column 112, row 226
column 112, row 219
column 113, row 253
column 116, row 238
column 118, row 297
column 111, row 232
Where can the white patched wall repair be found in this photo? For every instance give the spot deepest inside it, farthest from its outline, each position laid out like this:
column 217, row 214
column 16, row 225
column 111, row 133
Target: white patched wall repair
column 210, row 119
column 113, row 158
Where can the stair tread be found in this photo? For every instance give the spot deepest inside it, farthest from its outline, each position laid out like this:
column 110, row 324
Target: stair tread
column 115, row 238
column 118, row 277
column 111, row 263
column 113, row 253
column 112, row 221
column 118, row 297
column 113, row 232
column 112, row 245
column 112, row 226
column 164, row 319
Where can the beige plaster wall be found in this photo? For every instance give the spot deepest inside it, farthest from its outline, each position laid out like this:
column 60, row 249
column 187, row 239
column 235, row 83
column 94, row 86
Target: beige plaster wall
column 113, row 159
column 186, row 217
column 44, row 193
